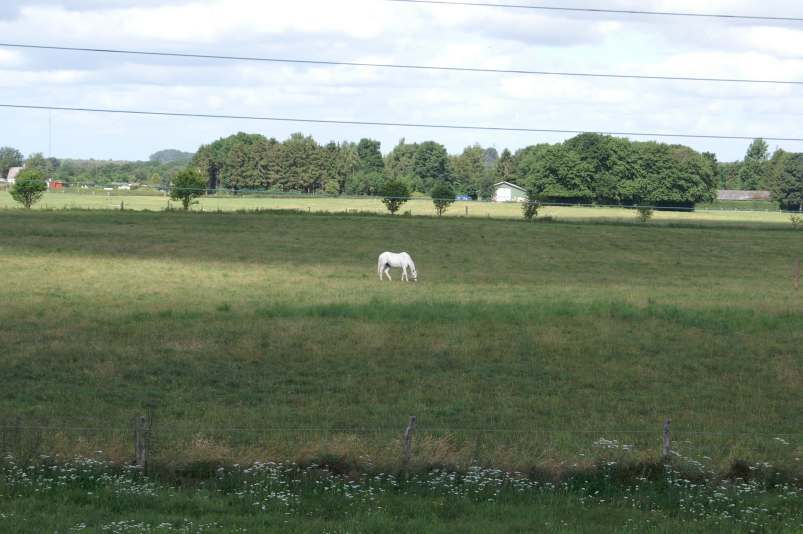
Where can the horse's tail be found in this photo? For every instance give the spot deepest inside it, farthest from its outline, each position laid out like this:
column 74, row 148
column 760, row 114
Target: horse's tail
column 379, row 265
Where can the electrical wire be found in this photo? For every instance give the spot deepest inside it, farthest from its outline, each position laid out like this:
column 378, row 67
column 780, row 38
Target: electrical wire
column 601, row 10
column 397, row 66
column 395, row 124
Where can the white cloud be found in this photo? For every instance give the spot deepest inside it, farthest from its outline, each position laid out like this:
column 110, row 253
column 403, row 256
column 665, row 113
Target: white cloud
column 373, row 31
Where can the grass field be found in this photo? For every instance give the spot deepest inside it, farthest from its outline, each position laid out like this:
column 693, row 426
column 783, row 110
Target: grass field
column 724, row 213
column 539, row 347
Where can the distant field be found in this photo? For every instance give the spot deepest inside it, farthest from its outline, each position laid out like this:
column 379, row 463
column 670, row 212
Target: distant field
column 731, row 212
column 522, row 344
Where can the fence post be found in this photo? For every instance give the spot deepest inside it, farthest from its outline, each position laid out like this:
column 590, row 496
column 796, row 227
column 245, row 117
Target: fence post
column 408, row 441
column 667, row 448
column 140, row 443
column 466, row 211
column 796, row 273
column 143, row 425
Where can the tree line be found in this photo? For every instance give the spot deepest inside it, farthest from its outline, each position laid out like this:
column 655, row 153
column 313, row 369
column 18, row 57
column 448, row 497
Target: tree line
column 588, row 168
column 158, row 170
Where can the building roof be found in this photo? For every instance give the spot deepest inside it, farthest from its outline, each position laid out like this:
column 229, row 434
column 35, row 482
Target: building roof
column 738, row 194
column 508, row 184
column 12, row 173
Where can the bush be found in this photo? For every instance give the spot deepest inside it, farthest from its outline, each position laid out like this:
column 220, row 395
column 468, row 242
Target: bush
column 187, row 185
column 532, row 203
column 442, row 196
column 530, row 209
column 396, row 193
column 29, row 187
column 644, row 214
column 795, row 218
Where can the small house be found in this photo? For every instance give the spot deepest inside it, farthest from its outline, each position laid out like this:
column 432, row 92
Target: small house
column 507, row 192
column 12, row 174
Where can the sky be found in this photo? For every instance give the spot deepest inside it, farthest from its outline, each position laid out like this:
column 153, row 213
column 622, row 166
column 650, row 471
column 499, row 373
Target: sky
column 378, row 31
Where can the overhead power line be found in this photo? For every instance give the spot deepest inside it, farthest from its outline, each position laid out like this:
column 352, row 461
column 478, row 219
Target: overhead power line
column 600, row 10
column 388, row 123
column 394, row 65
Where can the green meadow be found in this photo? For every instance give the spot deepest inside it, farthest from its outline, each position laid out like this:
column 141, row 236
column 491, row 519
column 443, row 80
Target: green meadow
column 549, row 353
column 522, row 344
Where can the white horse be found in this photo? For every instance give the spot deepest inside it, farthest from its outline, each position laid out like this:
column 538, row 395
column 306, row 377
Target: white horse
column 392, row 259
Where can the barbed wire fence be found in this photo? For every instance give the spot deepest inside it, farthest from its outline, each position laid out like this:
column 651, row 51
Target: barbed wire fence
column 30, row 439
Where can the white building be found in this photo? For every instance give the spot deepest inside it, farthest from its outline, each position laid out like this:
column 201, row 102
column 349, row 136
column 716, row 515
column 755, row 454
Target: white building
column 507, row 192
column 12, row 175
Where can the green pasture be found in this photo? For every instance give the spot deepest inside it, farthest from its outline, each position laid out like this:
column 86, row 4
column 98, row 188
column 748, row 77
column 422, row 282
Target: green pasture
column 523, row 345
column 726, row 212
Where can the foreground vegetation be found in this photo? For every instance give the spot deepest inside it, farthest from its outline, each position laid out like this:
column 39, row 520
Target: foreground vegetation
column 92, row 495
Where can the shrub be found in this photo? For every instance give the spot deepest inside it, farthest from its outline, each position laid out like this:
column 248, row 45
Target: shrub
column 530, row 209
column 644, row 214
column 29, row 187
column 442, row 196
column 396, row 193
column 795, row 218
column 187, row 185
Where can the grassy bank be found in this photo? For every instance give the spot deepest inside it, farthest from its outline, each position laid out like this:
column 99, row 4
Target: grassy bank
column 269, row 336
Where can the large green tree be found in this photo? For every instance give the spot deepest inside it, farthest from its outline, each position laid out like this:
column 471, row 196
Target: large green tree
column 470, row 173
column 400, row 163
column 347, row 164
column 302, row 164
column 505, row 169
column 788, row 189
column 431, row 164
column 44, row 165
column 29, row 187
column 612, row 160
column 370, row 155
column 9, row 157
column 188, row 185
column 670, row 176
column 558, row 174
column 754, row 169
column 240, row 161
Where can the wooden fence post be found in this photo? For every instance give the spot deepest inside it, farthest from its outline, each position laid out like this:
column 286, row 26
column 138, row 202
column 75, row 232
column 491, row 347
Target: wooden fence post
column 466, row 211
column 796, row 273
column 142, row 441
column 140, row 447
column 408, row 441
column 667, row 448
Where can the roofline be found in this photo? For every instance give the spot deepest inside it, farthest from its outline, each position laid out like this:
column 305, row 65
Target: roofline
column 511, row 185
